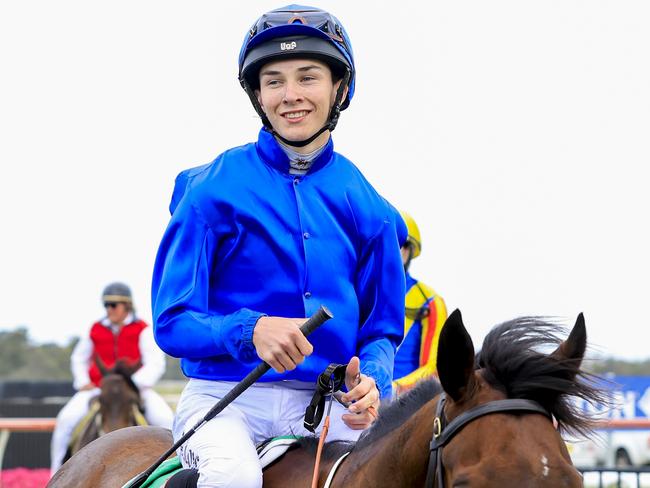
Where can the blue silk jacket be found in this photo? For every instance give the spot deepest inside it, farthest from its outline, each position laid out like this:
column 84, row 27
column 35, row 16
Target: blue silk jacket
column 248, row 239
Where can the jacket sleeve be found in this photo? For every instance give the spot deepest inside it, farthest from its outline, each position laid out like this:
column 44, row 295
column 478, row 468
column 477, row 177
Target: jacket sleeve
column 80, row 362
column 183, row 324
column 380, row 286
column 153, row 361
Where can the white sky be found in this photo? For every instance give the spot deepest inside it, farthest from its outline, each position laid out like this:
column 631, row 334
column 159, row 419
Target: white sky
column 515, row 132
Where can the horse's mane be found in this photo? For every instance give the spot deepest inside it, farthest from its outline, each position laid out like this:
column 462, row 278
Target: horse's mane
column 400, row 409
column 331, row 450
column 515, row 359
column 391, row 416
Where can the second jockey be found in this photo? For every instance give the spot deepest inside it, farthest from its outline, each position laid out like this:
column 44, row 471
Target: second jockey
column 119, row 335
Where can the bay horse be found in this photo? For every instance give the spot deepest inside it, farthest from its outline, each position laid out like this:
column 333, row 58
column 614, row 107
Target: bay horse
column 118, row 405
column 510, row 446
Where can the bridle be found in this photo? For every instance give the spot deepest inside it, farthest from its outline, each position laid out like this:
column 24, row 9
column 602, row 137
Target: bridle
column 443, row 432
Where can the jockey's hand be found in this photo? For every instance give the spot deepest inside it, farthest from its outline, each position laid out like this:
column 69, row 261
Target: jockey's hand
column 362, row 390
column 280, row 343
column 88, row 386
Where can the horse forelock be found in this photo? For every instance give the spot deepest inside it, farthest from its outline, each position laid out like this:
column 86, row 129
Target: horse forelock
column 118, row 392
column 125, row 372
column 515, row 359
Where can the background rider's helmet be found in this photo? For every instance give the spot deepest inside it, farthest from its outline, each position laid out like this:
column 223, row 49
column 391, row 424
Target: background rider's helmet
column 413, row 234
column 117, row 293
column 297, row 31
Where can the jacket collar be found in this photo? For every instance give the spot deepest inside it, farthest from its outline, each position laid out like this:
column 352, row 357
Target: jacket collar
column 128, row 320
column 272, row 154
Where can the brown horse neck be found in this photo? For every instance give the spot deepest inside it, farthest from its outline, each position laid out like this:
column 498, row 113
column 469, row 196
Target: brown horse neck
column 399, row 458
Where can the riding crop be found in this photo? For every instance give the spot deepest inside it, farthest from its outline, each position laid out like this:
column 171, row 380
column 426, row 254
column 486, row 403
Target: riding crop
column 315, row 321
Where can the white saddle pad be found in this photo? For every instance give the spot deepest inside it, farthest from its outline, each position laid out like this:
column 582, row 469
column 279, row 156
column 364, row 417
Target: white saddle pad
column 275, row 448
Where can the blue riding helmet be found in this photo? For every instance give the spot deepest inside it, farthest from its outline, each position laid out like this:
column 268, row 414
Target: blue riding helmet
column 304, row 32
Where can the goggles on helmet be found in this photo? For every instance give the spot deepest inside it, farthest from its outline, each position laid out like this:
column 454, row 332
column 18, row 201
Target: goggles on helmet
column 317, row 19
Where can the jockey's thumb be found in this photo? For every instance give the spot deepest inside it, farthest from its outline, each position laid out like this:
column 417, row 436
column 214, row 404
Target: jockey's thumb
column 352, row 373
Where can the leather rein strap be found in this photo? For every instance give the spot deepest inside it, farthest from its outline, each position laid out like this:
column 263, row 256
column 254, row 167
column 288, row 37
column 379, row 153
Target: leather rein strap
column 443, row 432
column 329, row 381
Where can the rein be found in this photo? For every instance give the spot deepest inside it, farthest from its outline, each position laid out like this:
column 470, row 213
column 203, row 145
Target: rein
column 329, row 381
column 443, row 432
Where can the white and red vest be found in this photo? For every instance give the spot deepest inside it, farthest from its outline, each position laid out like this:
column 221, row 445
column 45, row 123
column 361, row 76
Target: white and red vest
column 111, row 347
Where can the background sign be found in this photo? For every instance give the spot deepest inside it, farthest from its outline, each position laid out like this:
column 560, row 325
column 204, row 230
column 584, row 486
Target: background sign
column 630, row 398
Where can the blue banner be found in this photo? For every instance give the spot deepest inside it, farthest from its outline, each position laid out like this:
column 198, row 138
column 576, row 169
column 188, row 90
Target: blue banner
column 630, row 396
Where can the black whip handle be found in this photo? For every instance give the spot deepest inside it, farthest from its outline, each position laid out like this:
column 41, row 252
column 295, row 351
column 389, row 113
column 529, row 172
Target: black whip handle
column 321, row 316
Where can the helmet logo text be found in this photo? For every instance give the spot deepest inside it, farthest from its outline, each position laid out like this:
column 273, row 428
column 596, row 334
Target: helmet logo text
column 288, row 46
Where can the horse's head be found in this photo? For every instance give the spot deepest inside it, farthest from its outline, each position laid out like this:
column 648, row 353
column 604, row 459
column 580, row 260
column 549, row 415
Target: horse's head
column 511, row 443
column 119, row 397
column 489, row 422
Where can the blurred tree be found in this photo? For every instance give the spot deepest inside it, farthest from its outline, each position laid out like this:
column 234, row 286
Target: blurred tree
column 14, row 349
column 46, row 362
column 20, row 359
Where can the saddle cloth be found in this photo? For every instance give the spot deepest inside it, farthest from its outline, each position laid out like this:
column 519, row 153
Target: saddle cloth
column 268, row 452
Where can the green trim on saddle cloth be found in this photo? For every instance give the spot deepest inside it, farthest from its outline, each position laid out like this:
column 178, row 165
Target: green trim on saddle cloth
column 83, row 423
column 161, row 474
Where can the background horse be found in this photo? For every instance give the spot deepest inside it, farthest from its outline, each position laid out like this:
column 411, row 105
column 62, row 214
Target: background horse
column 501, row 448
column 117, row 406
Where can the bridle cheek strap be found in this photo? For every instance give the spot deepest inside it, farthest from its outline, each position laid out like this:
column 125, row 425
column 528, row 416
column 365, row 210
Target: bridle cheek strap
column 443, row 432
column 435, row 452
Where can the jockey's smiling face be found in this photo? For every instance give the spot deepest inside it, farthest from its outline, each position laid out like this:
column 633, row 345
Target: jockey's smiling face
column 296, row 96
column 116, row 311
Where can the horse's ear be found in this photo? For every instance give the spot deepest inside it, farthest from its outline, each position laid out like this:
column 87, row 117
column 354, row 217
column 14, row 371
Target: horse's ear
column 455, row 357
column 573, row 349
column 135, row 367
column 100, row 365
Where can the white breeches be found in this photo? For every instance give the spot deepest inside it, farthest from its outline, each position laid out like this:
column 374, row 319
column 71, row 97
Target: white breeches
column 223, row 450
column 156, row 411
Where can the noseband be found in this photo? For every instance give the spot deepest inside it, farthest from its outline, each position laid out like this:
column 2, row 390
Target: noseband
column 443, row 432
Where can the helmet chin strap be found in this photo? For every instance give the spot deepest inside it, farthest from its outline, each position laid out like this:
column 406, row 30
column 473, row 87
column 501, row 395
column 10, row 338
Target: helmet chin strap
column 332, row 120
column 306, row 141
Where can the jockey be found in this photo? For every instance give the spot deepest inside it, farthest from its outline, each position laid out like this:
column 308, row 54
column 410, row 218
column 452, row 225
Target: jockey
column 258, row 240
column 425, row 315
column 120, row 335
